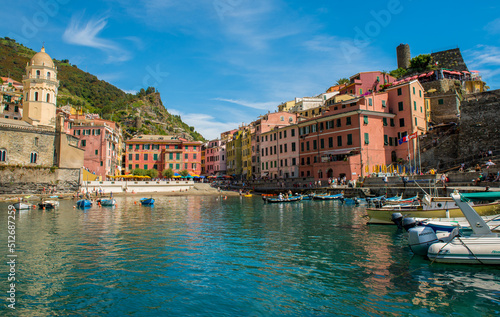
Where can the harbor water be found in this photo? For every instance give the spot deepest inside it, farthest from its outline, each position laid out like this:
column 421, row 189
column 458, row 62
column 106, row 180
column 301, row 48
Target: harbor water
column 209, row 256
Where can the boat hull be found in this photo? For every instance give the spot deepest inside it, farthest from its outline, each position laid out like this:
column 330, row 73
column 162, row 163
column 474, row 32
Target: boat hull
column 48, row 204
column 147, row 201
column 21, row 206
column 383, row 215
column 467, row 250
column 84, row 203
column 328, row 197
column 108, row 202
column 284, row 200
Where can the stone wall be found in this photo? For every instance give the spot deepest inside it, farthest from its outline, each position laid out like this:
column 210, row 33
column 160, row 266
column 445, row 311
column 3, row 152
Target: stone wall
column 480, row 123
column 32, row 180
column 20, row 142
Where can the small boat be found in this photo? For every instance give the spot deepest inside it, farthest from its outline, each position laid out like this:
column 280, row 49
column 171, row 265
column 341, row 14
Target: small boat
column 247, row 195
column 395, row 198
column 307, row 197
column 147, row 201
column 448, row 224
column 108, row 202
column 84, row 203
column 428, row 207
column 401, row 201
column 481, row 247
column 329, row 197
column 48, row 204
column 21, row 206
column 288, row 199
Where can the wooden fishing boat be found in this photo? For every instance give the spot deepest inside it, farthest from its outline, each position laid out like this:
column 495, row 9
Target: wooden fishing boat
column 328, row 197
column 108, row 202
column 283, row 199
column 84, row 203
column 48, row 204
column 147, row 201
column 21, row 206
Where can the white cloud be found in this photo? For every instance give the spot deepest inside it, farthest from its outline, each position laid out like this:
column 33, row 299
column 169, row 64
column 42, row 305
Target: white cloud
column 205, row 124
column 485, row 59
column 87, row 34
column 254, row 105
column 493, row 27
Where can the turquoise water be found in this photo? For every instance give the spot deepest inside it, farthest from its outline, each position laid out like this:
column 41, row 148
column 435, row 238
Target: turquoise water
column 205, row 256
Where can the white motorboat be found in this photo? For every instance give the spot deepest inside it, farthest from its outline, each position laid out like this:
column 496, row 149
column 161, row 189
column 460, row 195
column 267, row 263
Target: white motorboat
column 21, row 206
column 448, row 224
column 480, row 247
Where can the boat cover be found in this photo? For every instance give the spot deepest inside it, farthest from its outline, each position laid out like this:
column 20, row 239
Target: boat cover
column 481, row 196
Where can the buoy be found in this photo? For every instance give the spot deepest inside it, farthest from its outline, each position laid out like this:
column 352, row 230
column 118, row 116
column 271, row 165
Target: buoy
column 135, row 203
column 14, row 209
column 74, row 207
column 43, row 208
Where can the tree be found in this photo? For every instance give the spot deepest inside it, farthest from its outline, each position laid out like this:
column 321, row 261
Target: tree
column 398, row 73
column 184, row 173
column 168, row 173
column 152, row 173
column 342, row 81
column 139, row 172
column 420, row 63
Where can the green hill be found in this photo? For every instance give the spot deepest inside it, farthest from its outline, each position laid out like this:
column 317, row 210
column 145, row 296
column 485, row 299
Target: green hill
column 140, row 113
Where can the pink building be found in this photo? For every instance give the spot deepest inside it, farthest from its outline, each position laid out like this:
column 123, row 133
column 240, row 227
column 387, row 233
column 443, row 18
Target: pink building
column 263, row 125
column 280, row 152
column 102, row 142
column 215, row 158
column 360, row 136
column 364, row 82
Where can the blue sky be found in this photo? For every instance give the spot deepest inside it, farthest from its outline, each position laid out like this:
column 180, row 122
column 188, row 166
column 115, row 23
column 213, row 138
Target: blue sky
column 222, row 63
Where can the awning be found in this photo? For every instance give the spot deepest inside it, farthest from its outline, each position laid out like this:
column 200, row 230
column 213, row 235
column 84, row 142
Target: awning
column 340, row 151
column 128, row 176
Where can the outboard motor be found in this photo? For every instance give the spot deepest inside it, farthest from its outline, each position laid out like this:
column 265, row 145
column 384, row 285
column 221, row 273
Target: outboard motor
column 397, row 218
column 409, row 223
column 420, row 238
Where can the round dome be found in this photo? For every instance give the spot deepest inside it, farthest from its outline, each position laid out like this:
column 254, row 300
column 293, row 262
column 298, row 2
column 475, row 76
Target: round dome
column 42, row 59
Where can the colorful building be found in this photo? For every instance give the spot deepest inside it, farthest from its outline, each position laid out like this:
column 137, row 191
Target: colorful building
column 366, row 82
column 233, row 149
column 102, row 142
column 161, row 152
column 11, row 99
column 361, row 136
column 263, row 125
column 280, row 153
column 246, row 153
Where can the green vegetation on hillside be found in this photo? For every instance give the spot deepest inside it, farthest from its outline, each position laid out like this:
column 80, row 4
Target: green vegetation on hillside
column 418, row 64
column 143, row 113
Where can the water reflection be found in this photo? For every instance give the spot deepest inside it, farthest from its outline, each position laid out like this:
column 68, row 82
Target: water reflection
column 240, row 256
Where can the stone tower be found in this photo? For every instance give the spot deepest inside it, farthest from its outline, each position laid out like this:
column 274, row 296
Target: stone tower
column 403, row 54
column 40, row 86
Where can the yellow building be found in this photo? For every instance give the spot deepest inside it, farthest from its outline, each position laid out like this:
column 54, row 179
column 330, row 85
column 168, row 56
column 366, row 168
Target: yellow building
column 246, row 153
column 233, row 150
column 286, row 106
column 40, row 87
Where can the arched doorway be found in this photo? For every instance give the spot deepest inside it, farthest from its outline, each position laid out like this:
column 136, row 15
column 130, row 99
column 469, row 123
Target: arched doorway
column 394, row 157
column 329, row 173
column 320, row 174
